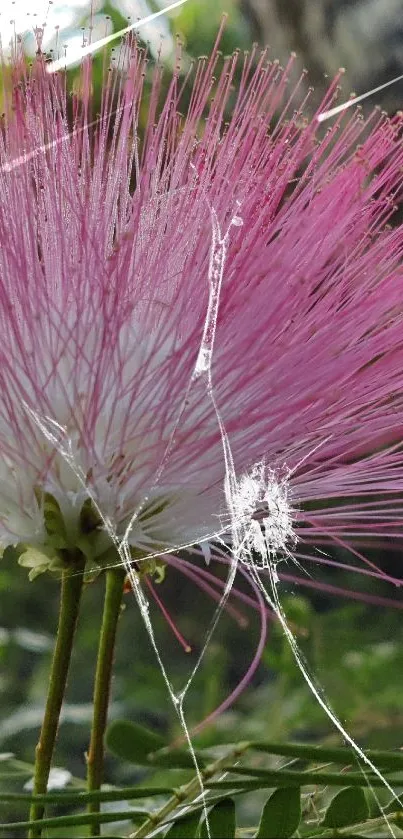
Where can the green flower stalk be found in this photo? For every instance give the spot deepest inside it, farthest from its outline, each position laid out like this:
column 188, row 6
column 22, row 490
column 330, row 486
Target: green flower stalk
column 115, row 578
column 70, row 597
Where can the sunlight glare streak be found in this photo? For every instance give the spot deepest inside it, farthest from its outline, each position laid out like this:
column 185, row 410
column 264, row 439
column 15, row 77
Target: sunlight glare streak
column 356, row 99
column 77, row 55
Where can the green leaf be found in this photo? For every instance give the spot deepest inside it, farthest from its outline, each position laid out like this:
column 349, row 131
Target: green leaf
column 81, row 796
column 281, row 814
column 177, row 759
column 132, row 742
column 183, row 828
column 221, row 820
column 288, row 777
column 322, row 754
column 137, row 744
column 347, row 807
column 77, row 820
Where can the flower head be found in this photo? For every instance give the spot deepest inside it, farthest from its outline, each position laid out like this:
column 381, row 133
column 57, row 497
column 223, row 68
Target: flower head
column 107, row 261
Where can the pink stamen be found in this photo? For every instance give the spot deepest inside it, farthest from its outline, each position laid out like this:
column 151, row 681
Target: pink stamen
column 197, row 575
column 186, row 646
column 233, row 696
column 375, row 600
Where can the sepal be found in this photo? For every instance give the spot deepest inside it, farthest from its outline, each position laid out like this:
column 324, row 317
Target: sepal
column 38, row 560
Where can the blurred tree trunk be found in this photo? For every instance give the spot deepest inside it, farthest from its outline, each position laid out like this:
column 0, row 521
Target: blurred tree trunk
column 364, row 36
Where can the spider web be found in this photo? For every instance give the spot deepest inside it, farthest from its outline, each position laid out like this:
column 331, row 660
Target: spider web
column 256, row 545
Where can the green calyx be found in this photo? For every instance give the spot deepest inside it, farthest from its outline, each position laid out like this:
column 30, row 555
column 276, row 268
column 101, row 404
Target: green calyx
column 84, row 534
column 153, row 567
column 38, row 560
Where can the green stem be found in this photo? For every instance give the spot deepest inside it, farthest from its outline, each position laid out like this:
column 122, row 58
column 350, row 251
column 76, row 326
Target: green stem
column 189, row 791
column 71, row 589
column 115, row 578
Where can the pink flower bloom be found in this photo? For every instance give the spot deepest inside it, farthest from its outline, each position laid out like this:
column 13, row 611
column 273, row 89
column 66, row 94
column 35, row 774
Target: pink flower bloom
column 105, row 249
